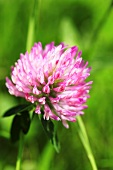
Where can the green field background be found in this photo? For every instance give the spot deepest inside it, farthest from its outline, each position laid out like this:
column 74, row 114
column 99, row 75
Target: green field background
column 89, row 25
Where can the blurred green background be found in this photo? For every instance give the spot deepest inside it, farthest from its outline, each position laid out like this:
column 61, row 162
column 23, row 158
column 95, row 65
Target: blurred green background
column 88, row 24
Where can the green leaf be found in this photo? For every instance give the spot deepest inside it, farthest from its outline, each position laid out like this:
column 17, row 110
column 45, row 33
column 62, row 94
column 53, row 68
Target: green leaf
column 15, row 129
column 51, row 133
column 25, row 121
column 17, row 109
column 20, row 123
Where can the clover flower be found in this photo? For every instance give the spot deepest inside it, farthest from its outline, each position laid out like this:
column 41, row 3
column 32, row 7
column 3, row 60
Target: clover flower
column 53, row 79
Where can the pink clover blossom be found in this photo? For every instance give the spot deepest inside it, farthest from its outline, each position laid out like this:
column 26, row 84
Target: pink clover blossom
column 54, row 79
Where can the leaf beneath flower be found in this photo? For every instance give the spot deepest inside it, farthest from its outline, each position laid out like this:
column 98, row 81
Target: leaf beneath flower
column 25, row 121
column 20, row 123
column 15, row 129
column 17, row 109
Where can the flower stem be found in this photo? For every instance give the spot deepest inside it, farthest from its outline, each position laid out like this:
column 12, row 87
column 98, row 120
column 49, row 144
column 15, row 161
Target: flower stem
column 85, row 141
column 20, row 151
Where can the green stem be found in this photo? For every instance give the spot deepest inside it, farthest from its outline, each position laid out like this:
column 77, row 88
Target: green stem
column 46, row 157
column 85, row 141
column 20, row 151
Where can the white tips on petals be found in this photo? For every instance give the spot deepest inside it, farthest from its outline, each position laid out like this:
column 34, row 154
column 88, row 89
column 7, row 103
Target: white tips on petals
column 37, row 110
column 36, row 91
column 46, row 89
column 41, row 100
column 64, row 122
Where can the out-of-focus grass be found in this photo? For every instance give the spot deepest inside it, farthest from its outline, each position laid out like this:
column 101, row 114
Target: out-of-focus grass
column 89, row 25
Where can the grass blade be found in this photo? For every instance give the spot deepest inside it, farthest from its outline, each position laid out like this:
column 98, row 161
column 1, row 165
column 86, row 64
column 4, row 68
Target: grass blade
column 85, row 141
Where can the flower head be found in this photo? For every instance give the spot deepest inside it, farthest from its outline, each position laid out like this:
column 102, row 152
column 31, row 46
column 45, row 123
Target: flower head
column 53, row 79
